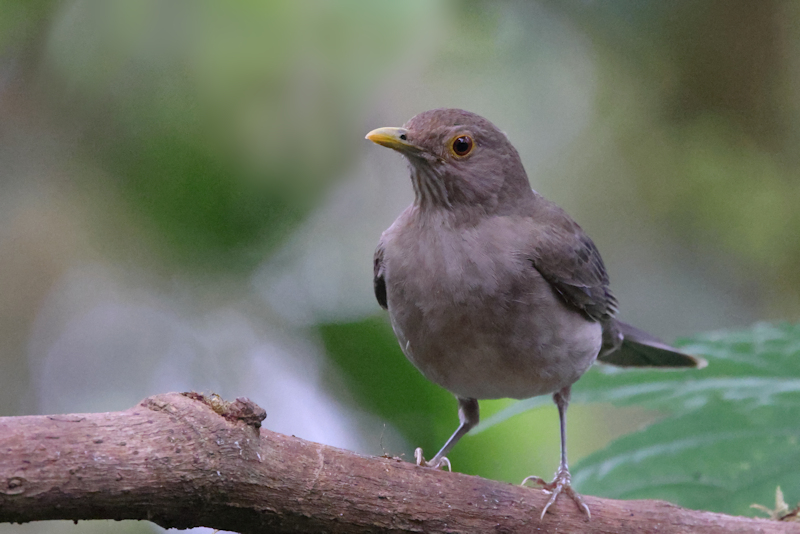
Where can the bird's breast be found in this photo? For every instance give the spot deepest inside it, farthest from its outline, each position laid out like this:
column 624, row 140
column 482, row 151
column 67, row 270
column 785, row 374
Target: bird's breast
column 474, row 316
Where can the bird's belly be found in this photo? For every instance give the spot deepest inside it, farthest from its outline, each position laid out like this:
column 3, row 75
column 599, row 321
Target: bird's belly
column 480, row 349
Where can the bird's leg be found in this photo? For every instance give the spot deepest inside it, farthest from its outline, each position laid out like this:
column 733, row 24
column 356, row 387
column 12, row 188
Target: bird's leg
column 468, row 415
column 561, row 483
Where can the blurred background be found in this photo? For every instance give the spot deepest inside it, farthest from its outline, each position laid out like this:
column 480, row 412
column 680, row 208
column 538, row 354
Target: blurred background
column 187, row 201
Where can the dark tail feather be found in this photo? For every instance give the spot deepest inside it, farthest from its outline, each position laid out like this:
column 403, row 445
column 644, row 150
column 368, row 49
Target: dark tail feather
column 640, row 349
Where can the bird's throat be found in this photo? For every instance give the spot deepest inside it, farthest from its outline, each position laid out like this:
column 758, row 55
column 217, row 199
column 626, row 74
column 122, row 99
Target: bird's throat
column 429, row 188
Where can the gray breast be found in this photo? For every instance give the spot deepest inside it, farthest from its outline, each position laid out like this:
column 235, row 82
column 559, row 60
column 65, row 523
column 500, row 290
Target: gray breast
column 474, row 316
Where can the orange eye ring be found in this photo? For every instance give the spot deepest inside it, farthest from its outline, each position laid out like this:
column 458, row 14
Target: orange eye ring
column 462, row 145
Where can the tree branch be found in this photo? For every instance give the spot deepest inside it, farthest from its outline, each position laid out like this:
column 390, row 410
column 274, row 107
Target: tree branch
column 184, row 460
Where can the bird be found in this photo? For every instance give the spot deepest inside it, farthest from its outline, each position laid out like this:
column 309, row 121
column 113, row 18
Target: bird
column 492, row 290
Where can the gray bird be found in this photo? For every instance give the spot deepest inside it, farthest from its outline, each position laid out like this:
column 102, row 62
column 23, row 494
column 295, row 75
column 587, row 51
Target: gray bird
column 492, row 290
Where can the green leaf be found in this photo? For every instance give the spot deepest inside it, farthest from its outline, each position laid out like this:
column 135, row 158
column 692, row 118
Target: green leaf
column 731, row 434
column 722, row 457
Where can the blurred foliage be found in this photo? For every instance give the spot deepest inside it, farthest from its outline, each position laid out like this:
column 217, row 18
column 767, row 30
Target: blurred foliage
column 224, row 124
column 199, row 213
column 731, row 435
column 18, row 22
column 701, row 98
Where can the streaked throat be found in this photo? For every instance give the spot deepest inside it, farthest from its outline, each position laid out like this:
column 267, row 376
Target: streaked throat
column 429, row 187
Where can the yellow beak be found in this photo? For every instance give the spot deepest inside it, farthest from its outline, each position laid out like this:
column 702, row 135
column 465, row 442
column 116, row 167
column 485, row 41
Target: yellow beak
column 394, row 138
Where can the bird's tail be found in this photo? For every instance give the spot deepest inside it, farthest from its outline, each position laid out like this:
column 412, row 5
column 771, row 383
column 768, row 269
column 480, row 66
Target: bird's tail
column 640, row 349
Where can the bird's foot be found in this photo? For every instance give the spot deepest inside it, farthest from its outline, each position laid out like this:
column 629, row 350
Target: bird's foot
column 436, row 463
column 560, row 484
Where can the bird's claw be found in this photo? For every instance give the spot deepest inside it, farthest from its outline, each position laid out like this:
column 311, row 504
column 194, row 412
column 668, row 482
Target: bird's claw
column 435, row 463
column 560, row 484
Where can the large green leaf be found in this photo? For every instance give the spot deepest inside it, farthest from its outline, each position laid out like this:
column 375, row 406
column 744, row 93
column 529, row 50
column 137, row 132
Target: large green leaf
column 731, row 434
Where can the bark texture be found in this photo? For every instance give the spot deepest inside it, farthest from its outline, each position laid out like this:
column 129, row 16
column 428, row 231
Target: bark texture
column 184, row 460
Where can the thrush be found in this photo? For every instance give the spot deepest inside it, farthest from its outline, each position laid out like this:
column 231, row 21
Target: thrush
column 492, row 290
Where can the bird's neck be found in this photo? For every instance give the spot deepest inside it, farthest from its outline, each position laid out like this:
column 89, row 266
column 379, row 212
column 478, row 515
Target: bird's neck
column 430, row 191
column 436, row 190
column 456, row 216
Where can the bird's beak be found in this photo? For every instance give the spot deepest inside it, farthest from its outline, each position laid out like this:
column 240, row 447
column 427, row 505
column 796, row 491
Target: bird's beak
column 394, row 138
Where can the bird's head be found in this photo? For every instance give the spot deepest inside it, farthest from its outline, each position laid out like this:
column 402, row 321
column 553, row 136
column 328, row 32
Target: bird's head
column 458, row 158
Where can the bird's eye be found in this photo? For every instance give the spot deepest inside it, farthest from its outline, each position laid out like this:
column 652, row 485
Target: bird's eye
column 462, row 145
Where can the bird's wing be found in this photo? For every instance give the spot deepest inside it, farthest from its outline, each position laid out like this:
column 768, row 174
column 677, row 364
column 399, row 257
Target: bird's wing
column 566, row 257
column 378, row 281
